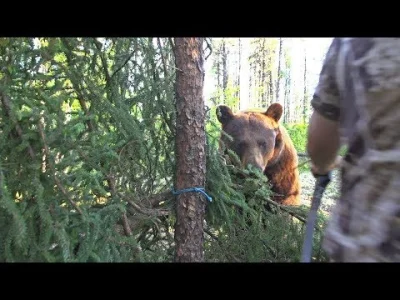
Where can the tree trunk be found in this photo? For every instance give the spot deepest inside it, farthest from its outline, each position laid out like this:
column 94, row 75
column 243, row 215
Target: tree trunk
column 271, row 81
column 239, row 69
column 279, row 70
column 218, row 54
column 288, row 85
column 250, row 101
column 260, row 78
column 190, row 149
column 287, row 97
column 263, row 90
column 224, row 69
column 305, row 88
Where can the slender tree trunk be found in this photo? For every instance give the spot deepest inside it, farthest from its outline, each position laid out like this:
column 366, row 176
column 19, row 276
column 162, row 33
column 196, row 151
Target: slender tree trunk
column 271, row 81
column 288, row 85
column 279, row 70
column 305, row 88
column 224, row 68
column 260, row 77
column 239, row 69
column 264, row 91
column 190, row 149
column 250, row 83
column 287, row 97
column 218, row 69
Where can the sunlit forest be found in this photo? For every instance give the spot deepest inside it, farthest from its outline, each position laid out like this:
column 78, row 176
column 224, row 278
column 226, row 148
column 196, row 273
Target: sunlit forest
column 91, row 145
column 254, row 72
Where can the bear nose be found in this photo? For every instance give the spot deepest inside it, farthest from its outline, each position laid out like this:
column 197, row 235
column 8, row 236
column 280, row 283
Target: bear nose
column 255, row 165
column 256, row 161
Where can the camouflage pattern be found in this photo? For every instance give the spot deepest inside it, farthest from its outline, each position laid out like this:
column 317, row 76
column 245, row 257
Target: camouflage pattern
column 360, row 87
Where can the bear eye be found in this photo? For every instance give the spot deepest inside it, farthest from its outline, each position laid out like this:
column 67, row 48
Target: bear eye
column 241, row 147
column 262, row 145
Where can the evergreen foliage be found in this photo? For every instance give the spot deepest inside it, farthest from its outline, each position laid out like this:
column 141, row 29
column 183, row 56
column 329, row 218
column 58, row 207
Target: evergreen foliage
column 87, row 161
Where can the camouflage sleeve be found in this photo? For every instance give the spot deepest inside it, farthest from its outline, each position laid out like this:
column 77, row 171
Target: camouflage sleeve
column 326, row 96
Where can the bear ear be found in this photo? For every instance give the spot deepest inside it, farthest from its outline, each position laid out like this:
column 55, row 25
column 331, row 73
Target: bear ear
column 224, row 114
column 274, row 111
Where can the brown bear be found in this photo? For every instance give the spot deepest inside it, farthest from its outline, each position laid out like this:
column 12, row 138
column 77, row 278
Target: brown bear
column 260, row 140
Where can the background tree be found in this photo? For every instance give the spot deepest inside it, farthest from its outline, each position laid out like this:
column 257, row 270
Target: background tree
column 270, row 70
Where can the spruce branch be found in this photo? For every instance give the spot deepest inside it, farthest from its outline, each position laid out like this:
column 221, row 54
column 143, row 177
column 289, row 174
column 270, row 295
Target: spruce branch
column 7, row 107
column 215, row 238
column 72, row 75
column 285, row 209
column 53, row 170
column 124, row 63
column 162, row 57
column 103, row 62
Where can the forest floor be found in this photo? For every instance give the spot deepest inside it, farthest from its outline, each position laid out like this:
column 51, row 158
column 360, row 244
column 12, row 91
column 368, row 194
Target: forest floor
column 331, row 193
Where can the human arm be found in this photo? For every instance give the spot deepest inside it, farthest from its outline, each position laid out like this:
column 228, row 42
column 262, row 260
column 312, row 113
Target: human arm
column 323, row 143
column 323, row 140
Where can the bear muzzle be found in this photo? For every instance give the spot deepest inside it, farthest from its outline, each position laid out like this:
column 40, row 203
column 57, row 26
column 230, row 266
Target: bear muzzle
column 257, row 161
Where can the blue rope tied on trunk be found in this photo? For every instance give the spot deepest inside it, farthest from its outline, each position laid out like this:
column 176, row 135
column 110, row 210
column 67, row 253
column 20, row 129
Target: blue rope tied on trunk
column 193, row 189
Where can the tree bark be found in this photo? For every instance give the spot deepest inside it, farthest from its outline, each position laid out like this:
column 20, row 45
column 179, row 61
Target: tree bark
column 190, row 149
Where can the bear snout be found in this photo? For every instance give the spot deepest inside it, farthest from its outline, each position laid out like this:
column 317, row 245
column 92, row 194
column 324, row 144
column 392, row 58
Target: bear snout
column 257, row 161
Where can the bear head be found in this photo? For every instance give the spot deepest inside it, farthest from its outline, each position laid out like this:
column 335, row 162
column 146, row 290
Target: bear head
column 255, row 135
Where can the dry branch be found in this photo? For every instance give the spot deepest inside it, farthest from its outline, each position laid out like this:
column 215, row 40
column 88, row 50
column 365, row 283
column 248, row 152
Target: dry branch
column 125, row 223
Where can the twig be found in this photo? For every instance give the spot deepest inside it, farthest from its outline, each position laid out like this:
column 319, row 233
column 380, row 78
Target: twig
column 227, row 254
column 269, row 248
column 125, row 62
column 293, row 214
column 147, row 211
column 212, row 235
column 162, row 56
column 125, row 224
column 303, row 163
column 1, row 182
column 209, row 47
column 151, row 202
column 75, row 84
column 171, row 41
column 279, row 206
column 302, row 154
column 103, row 61
column 58, row 183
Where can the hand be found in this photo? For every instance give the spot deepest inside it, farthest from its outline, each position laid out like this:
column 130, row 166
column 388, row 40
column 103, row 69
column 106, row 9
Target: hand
column 319, row 171
column 325, row 170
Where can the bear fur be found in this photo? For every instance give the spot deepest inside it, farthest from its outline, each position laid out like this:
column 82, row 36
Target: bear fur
column 260, row 140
